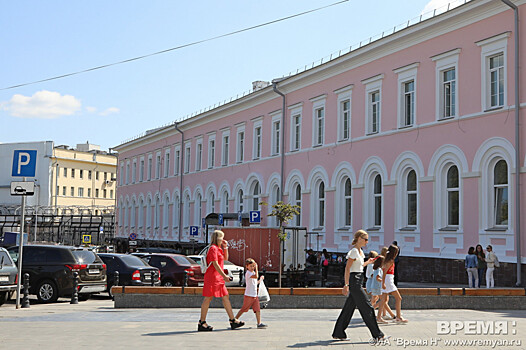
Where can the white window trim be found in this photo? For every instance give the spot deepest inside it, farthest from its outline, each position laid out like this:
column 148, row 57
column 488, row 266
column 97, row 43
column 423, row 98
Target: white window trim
column 315, row 206
column 295, row 111
column 491, row 47
column 187, row 156
column 402, row 209
column 166, row 165
column 340, row 203
column 134, row 170
column 344, row 94
column 177, row 162
column 406, row 74
column 488, row 195
column 128, row 172
column 158, row 164
column 372, row 85
column 141, row 159
column 240, row 149
column 149, row 169
column 257, row 124
column 317, row 104
column 275, row 145
column 198, row 157
column 369, row 203
column 225, row 148
column 211, row 152
column 444, row 62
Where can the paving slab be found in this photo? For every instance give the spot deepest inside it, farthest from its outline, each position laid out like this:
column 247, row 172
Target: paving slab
column 96, row 324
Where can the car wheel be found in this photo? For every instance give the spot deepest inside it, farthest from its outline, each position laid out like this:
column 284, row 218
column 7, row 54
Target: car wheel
column 3, row 298
column 168, row 283
column 109, row 291
column 47, row 292
column 84, row 297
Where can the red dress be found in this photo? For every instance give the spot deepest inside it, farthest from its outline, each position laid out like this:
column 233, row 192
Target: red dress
column 214, row 284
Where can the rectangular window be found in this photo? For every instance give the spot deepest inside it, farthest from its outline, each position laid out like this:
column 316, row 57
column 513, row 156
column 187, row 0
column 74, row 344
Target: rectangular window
column 257, row 142
column 177, row 162
column 319, row 124
column 496, row 74
column 408, row 103
column 134, row 171
column 296, row 132
column 72, row 173
column 224, row 160
column 96, row 193
column 158, row 166
column 150, row 168
column 89, row 174
column 211, row 153
column 65, row 172
column 141, row 171
column 111, row 194
column 89, row 192
column 374, row 112
column 63, row 190
column 449, row 91
column 166, row 164
column 345, row 112
column 240, row 146
column 199, row 157
column 187, row 159
column 127, row 173
column 105, row 176
column 275, row 137
column 81, row 173
column 72, row 192
column 81, row 192
column 97, row 175
column 104, row 193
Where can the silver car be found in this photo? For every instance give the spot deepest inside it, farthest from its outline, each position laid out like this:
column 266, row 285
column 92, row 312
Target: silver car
column 8, row 276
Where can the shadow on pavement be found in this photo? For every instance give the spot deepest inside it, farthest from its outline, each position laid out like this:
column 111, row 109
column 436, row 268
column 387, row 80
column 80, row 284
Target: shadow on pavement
column 326, row 343
column 192, row 332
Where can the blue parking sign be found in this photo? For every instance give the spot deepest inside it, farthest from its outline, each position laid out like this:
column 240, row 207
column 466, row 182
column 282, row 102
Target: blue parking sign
column 194, row 230
column 24, row 163
column 220, row 219
column 255, row 217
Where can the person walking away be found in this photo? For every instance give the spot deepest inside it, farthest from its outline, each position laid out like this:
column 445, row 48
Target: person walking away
column 376, row 280
column 251, row 300
column 396, row 263
column 214, row 283
column 325, row 257
column 481, row 263
column 492, row 261
column 388, row 286
column 471, row 268
column 369, row 273
column 356, row 297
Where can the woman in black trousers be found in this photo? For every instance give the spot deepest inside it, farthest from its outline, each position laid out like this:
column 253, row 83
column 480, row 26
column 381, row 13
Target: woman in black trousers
column 356, row 297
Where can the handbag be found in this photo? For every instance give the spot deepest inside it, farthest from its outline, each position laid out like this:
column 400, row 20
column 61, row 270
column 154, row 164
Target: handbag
column 263, row 295
column 496, row 263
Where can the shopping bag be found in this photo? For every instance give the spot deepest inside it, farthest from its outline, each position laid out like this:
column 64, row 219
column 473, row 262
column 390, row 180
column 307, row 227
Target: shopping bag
column 263, row 295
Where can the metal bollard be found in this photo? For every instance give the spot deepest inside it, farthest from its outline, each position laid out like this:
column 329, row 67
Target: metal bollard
column 241, row 278
column 186, row 279
column 116, row 279
column 25, row 299
column 75, row 294
column 153, row 276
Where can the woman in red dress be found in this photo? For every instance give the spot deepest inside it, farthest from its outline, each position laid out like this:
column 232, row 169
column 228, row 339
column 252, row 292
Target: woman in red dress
column 214, row 285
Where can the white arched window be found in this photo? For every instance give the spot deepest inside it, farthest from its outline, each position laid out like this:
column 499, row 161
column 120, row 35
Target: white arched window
column 186, row 211
column 157, row 213
column 224, row 202
column 347, row 203
column 376, row 202
column 175, row 212
column 166, row 211
column 297, row 201
column 198, row 209
column 240, row 201
column 148, row 213
column 320, row 205
column 500, row 194
column 132, row 213
column 411, row 198
column 453, row 196
column 256, row 191
column 140, row 211
column 211, row 203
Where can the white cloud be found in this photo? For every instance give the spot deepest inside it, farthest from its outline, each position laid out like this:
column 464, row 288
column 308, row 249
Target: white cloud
column 91, row 109
column 42, row 105
column 440, row 5
column 109, row 111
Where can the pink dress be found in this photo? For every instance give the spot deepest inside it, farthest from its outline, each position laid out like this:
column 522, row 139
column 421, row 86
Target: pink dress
column 214, row 284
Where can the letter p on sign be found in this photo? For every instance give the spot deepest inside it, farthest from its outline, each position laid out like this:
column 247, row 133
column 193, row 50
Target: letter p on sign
column 24, row 163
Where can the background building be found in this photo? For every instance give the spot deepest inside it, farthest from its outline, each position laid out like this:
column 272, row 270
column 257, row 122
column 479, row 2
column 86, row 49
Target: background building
column 410, row 136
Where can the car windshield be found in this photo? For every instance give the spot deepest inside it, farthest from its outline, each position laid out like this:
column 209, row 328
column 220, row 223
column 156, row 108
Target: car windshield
column 183, row 260
column 86, row 257
column 5, row 259
column 133, row 261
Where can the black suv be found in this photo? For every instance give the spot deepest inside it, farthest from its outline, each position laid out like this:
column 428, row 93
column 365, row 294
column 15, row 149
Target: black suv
column 8, row 276
column 133, row 271
column 51, row 269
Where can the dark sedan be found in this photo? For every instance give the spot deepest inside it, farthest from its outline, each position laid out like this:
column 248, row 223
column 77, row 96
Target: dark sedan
column 173, row 268
column 133, row 271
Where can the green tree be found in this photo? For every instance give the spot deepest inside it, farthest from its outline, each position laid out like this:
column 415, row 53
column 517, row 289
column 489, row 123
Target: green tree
column 284, row 212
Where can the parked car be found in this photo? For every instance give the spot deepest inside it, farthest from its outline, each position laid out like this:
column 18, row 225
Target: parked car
column 157, row 250
column 133, row 271
column 8, row 276
column 173, row 267
column 51, row 269
column 231, row 269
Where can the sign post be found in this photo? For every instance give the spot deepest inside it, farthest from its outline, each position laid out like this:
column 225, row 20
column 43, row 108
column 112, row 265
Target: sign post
column 24, row 164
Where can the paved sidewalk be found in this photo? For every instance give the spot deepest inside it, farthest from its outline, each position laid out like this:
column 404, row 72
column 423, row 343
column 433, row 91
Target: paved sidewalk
column 95, row 324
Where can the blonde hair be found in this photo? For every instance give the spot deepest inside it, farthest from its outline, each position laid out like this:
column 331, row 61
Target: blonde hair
column 357, row 235
column 383, row 252
column 215, row 235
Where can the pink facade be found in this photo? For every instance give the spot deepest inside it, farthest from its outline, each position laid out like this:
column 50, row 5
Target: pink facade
column 427, row 158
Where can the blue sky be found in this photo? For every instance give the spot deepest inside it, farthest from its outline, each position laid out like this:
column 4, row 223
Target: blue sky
column 43, row 39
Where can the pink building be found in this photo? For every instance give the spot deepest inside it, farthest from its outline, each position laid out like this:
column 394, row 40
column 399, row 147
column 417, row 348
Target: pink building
column 410, row 137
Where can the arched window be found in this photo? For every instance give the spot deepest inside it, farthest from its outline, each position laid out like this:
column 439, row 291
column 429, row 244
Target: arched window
column 411, row 198
column 240, row 201
column 347, row 203
column 225, row 202
column 255, row 196
column 453, row 191
column 198, row 209
column 157, row 213
column 165, row 212
column 186, row 211
column 321, row 204
column 149, row 213
column 211, row 203
column 377, row 200
column 175, row 214
column 500, row 192
column 297, row 201
column 140, row 210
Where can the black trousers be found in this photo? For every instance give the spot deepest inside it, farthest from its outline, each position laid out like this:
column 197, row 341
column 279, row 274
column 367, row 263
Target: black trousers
column 356, row 299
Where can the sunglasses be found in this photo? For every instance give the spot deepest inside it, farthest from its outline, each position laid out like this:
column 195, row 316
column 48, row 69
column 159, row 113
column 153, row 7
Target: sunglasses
column 365, row 239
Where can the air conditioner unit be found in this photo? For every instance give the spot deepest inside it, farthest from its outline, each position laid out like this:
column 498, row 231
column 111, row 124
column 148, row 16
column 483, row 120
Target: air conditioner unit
column 107, row 182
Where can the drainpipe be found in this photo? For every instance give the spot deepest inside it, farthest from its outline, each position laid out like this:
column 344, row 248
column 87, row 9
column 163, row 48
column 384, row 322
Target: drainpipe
column 275, row 88
column 181, row 156
column 517, row 146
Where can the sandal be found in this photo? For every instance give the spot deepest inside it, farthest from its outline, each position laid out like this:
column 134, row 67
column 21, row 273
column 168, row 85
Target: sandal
column 401, row 320
column 202, row 328
column 236, row 323
column 381, row 321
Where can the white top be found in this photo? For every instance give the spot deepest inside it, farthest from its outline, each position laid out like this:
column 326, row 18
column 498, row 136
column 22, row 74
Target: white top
column 357, row 265
column 251, row 289
column 369, row 271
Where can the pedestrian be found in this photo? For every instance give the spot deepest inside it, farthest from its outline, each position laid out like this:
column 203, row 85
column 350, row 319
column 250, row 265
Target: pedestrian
column 388, row 286
column 481, row 263
column 387, row 309
column 311, row 258
column 214, row 283
column 492, row 261
column 356, row 297
column 471, row 268
column 396, row 263
column 376, row 279
column 250, row 299
column 325, row 257
column 369, row 272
